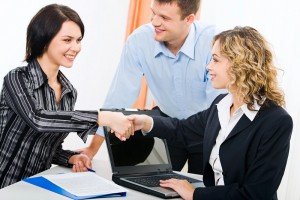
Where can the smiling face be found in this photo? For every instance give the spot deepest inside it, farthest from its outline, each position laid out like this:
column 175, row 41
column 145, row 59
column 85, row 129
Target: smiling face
column 168, row 23
column 65, row 45
column 218, row 68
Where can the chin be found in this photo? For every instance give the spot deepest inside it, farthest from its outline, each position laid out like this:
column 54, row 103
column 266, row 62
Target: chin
column 67, row 65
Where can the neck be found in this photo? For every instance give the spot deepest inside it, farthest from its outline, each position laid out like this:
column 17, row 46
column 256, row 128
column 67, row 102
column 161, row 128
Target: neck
column 175, row 45
column 50, row 69
column 237, row 102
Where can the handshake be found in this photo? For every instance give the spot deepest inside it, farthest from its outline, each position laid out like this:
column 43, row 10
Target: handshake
column 124, row 126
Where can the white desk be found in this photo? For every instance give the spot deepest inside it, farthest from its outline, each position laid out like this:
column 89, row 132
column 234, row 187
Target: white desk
column 22, row 190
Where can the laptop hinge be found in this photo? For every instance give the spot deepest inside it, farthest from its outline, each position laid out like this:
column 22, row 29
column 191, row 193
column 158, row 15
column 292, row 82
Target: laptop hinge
column 143, row 174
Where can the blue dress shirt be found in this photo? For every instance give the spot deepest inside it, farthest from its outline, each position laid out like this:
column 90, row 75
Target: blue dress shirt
column 179, row 83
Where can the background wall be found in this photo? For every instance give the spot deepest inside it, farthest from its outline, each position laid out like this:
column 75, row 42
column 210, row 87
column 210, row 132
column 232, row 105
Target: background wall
column 105, row 23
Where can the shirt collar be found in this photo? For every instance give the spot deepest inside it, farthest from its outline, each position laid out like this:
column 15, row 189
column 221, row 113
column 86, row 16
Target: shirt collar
column 227, row 101
column 39, row 78
column 37, row 75
column 188, row 47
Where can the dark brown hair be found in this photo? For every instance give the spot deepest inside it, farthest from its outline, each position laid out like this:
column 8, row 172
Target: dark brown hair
column 187, row 7
column 45, row 25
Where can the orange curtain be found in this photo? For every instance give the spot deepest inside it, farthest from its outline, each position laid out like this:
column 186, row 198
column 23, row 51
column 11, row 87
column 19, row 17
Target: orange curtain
column 139, row 13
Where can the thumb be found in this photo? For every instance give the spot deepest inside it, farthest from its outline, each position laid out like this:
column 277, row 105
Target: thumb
column 131, row 117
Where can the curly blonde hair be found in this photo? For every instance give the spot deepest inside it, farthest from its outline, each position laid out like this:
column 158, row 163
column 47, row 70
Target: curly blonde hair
column 252, row 73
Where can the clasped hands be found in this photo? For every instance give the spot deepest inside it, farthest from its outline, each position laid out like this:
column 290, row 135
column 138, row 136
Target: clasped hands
column 124, row 126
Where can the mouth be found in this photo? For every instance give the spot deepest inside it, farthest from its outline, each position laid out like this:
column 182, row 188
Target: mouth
column 212, row 76
column 158, row 31
column 70, row 57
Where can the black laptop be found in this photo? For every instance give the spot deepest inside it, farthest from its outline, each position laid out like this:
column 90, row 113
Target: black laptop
column 140, row 162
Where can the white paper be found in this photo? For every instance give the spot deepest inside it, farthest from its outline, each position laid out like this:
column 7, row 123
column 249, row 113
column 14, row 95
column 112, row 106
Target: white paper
column 84, row 184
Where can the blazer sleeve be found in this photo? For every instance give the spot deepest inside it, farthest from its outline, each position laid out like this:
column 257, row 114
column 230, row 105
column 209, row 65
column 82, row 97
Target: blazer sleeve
column 188, row 131
column 20, row 99
column 264, row 174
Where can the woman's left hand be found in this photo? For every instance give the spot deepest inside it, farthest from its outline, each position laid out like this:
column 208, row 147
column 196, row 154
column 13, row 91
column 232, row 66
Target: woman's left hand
column 182, row 187
column 81, row 163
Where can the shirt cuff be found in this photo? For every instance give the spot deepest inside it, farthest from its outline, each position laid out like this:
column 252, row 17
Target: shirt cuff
column 152, row 124
column 100, row 131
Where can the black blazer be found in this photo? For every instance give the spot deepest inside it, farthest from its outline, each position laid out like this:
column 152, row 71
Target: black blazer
column 253, row 156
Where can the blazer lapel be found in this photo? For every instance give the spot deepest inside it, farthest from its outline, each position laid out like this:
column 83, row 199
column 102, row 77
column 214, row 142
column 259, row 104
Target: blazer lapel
column 210, row 136
column 243, row 123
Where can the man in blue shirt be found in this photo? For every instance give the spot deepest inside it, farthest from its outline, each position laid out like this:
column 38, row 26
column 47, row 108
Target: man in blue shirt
column 172, row 53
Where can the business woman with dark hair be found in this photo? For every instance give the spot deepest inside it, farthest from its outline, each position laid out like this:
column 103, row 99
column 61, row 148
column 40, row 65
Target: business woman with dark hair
column 245, row 133
column 37, row 101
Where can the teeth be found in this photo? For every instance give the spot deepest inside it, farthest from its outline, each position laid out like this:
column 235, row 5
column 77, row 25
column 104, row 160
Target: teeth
column 70, row 57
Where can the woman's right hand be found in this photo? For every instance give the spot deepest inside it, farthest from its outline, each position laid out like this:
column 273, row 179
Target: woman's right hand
column 118, row 123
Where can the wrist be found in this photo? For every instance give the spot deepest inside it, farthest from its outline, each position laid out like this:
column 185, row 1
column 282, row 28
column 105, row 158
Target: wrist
column 148, row 124
column 103, row 118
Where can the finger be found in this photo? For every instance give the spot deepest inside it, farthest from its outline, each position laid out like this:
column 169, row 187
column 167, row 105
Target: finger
column 74, row 168
column 88, row 163
column 132, row 129
column 81, row 166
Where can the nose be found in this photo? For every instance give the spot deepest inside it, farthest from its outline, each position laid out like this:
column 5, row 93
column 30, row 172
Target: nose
column 76, row 46
column 209, row 66
column 156, row 20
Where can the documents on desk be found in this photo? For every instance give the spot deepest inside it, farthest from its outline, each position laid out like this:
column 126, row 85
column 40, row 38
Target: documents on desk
column 80, row 185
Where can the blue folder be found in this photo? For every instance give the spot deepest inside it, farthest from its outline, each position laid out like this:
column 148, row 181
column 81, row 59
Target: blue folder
column 48, row 185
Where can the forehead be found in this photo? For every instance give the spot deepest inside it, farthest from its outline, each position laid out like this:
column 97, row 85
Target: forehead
column 216, row 48
column 168, row 9
column 70, row 28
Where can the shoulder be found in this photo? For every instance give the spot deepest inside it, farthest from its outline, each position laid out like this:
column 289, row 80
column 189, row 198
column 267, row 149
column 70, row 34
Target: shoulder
column 16, row 73
column 204, row 30
column 276, row 120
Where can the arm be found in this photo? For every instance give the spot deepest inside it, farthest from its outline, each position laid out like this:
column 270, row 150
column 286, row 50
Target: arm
column 20, row 99
column 264, row 175
column 126, row 84
column 78, row 162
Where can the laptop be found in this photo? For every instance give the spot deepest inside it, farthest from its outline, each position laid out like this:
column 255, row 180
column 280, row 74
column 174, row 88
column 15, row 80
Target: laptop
column 140, row 162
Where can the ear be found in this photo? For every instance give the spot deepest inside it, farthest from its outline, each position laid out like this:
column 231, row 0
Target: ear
column 190, row 18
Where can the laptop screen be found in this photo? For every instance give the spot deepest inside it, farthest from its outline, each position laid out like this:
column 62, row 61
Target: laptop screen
column 138, row 151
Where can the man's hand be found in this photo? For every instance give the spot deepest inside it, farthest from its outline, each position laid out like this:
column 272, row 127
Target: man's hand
column 81, row 162
column 141, row 122
column 182, row 187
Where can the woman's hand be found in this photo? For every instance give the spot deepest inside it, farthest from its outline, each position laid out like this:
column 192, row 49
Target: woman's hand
column 182, row 187
column 81, row 162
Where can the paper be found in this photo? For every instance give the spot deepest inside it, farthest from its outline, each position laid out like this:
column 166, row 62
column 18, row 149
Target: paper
column 79, row 185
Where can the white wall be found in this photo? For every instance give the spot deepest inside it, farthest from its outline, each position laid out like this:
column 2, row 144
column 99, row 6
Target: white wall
column 279, row 22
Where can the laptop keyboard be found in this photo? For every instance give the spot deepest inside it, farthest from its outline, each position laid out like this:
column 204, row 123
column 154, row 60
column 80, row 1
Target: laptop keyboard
column 153, row 181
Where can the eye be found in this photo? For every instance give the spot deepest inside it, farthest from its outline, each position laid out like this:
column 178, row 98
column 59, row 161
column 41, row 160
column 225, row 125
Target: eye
column 68, row 40
column 79, row 40
column 215, row 60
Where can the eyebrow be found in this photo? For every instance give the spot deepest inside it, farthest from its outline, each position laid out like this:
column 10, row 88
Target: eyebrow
column 70, row 36
column 161, row 15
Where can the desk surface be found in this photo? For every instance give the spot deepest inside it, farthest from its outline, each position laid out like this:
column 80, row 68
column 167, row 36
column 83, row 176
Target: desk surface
column 23, row 190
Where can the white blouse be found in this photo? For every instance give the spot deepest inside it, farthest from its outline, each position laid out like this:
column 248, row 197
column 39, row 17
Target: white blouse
column 227, row 124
